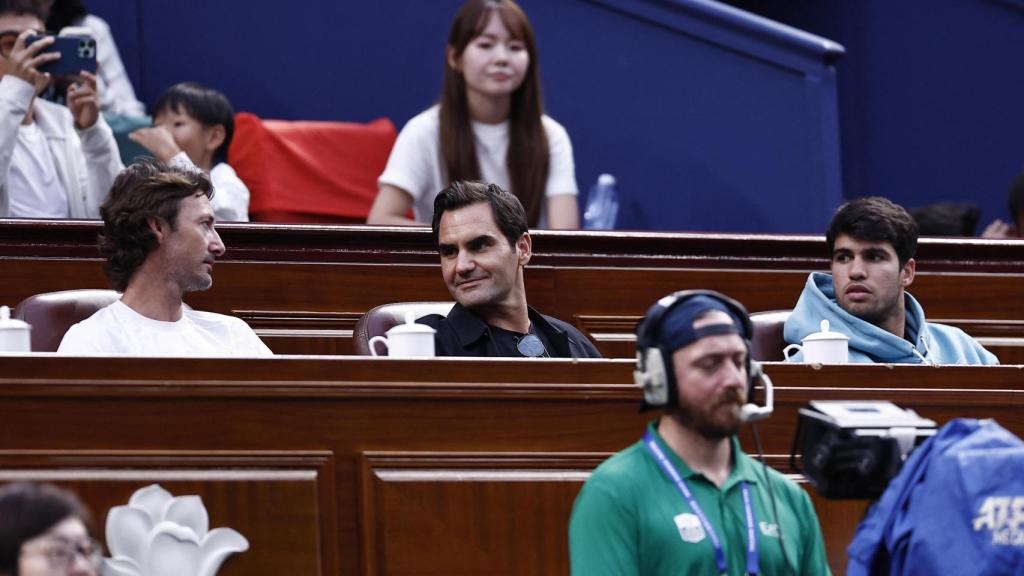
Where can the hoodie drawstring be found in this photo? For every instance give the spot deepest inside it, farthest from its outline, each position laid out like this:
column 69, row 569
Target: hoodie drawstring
column 927, row 350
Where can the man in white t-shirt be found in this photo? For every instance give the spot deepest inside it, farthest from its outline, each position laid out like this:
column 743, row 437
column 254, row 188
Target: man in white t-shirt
column 160, row 241
column 55, row 161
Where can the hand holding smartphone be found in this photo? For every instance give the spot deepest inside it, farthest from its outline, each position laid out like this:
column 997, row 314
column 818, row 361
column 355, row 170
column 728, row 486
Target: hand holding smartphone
column 77, row 53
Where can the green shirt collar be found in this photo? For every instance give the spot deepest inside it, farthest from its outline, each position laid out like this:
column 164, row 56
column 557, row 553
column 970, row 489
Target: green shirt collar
column 742, row 468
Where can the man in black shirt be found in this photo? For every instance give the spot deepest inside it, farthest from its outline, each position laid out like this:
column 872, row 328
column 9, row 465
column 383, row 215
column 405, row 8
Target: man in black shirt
column 481, row 235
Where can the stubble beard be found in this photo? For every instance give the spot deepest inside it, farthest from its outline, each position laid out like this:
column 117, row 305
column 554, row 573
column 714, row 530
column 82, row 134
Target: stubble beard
column 878, row 315
column 703, row 420
column 197, row 282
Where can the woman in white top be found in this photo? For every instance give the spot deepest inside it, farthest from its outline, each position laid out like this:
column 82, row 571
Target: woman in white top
column 489, row 125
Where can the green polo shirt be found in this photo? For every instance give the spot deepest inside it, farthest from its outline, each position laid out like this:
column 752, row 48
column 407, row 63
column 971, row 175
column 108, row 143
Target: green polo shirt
column 630, row 520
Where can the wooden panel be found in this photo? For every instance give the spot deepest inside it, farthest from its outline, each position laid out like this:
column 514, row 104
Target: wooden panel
column 302, row 286
column 302, row 332
column 274, row 500
column 838, row 519
column 390, row 451
column 495, row 513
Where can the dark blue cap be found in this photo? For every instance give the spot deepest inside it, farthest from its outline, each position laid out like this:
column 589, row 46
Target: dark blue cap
column 676, row 329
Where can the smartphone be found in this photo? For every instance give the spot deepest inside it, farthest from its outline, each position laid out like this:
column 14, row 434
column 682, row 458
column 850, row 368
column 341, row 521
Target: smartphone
column 77, row 53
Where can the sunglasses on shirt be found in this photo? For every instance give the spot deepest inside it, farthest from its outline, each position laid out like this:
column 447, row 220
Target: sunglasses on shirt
column 530, row 346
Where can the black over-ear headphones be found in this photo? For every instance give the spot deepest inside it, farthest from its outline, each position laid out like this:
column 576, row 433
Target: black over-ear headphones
column 655, row 373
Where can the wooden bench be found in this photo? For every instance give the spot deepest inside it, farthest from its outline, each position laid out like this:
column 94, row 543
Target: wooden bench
column 303, row 287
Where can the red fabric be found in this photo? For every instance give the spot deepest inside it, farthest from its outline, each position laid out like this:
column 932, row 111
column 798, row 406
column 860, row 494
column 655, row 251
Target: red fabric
column 304, row 171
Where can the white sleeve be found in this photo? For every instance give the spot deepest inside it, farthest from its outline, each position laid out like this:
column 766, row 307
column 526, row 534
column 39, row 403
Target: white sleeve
column 230, row 195
column 116, row 92
column 102, row 163
column 15, row 98
column 78, row 341
column 259, row 348
column 246, row 343
column 412, row 163
column 181, row 160
column 561, row 167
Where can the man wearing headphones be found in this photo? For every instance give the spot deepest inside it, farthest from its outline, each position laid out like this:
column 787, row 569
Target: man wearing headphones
column 685, row 499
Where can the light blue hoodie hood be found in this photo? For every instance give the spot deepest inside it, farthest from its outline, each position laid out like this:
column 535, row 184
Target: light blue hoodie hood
column 925, row 342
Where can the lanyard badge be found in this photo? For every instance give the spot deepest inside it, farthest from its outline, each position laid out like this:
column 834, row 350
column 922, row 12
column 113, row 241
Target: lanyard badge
column 748, row 507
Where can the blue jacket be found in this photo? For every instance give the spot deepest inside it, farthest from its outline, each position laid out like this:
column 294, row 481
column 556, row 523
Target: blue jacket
column 956, row 507
column 932, row 343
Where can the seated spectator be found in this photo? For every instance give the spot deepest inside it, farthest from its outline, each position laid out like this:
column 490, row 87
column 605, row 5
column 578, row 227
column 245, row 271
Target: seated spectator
column 1015, row 199
column 160, row 242
column 489, row 125
column 45, row 531
column 116, row 93
column 871, row 243
column 55, row 161
column 481, row 234
column 192, row 127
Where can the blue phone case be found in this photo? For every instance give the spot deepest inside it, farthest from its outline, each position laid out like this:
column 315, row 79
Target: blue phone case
column 77, row 53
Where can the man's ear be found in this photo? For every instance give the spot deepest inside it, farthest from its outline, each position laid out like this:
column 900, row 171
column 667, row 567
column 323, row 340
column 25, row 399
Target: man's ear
column 524, row 248
column 215, row 136
column 159, row 227
column 907, row 273
column 453, row 61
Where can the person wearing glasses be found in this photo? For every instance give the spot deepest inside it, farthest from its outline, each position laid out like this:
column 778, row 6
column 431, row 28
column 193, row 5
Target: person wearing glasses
column 481, row 236
column 55, row 161
column 45, row 531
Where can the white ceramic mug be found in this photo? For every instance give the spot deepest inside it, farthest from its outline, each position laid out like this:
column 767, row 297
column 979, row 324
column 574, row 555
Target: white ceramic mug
column 15, row 335
column 823, row 347
column 409, row 340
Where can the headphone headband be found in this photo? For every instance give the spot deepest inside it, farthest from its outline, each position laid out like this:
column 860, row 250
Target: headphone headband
column 655, row 373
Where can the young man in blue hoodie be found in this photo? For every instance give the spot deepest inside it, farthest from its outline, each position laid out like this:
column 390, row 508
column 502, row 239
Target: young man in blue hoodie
column 871, row 243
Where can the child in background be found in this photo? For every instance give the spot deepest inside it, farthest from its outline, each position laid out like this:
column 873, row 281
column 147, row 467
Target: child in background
column 192, row 126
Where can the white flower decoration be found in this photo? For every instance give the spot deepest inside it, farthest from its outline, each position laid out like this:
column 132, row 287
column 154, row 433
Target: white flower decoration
column 158, row 534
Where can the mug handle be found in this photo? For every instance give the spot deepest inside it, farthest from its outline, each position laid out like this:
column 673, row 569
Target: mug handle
column 374, row 340
column 785, row 351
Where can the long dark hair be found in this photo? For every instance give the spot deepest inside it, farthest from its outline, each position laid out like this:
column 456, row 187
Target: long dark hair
column 527, row 160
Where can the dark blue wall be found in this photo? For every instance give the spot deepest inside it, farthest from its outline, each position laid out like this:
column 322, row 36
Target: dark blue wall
column 710, row 119
column 931, row 95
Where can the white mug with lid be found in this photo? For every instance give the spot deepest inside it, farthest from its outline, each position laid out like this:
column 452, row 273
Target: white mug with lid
column 823, row 347
column 409, row 340
column 15, row 335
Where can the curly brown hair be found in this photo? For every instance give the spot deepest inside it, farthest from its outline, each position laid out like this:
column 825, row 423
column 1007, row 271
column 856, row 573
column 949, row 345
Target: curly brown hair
column 143, row 191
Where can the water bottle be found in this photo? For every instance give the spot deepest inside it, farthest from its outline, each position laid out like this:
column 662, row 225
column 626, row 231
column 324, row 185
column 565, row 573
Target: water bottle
column 602, row 204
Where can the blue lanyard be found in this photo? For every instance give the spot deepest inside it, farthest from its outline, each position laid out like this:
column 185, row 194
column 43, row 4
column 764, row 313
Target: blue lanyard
column 753, row 566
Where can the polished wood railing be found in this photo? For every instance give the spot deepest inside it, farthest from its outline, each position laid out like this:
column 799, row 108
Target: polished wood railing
column 343, row 465
column 304, row 287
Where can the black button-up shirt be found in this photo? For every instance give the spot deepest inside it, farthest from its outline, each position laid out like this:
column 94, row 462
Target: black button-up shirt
column 463, row 333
